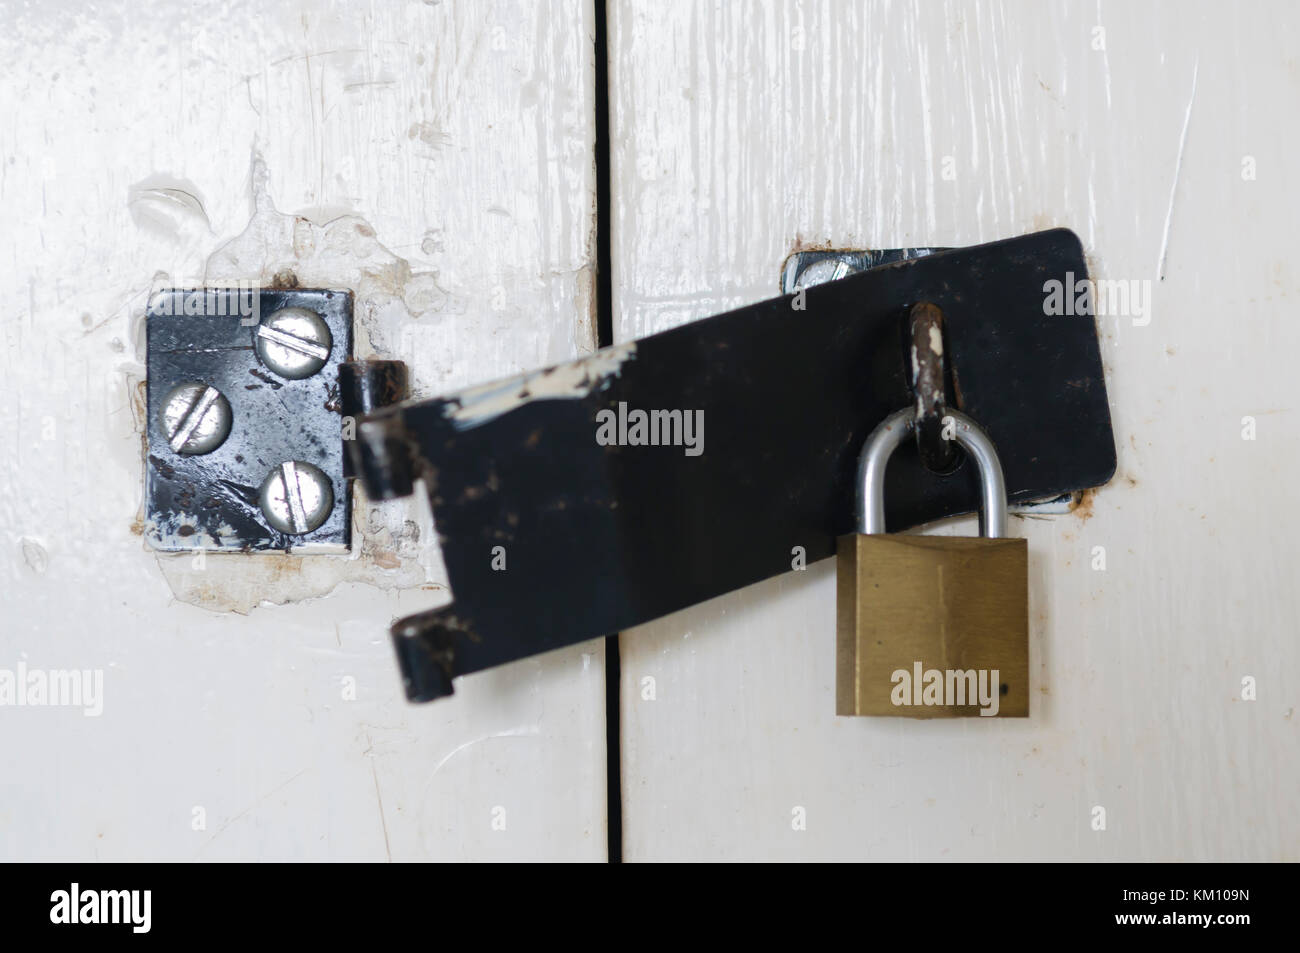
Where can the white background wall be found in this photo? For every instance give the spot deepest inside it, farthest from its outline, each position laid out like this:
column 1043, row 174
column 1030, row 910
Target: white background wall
column 156, row 142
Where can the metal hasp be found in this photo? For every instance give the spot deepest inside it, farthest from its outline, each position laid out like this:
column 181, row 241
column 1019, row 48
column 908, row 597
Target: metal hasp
column 244, row 413
column 552, row 536
column 366, row 386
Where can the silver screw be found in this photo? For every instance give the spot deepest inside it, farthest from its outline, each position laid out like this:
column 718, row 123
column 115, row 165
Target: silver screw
column 296, row 498
column 195, row 417
column 822, row 271
column 293, row 342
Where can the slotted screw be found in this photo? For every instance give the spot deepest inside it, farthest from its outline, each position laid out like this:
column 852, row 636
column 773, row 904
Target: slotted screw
column 195, row 417
column 296, row 498
column 293, row 342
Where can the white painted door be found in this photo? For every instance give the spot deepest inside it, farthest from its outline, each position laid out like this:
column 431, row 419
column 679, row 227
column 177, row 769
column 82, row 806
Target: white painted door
column 436, row 158
column 1164, row 135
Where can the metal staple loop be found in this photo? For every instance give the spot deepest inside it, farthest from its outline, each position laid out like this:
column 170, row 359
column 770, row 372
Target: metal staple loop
column 937, row 454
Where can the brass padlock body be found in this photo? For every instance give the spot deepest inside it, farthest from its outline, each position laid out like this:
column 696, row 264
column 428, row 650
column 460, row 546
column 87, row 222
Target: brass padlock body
column 951, row 604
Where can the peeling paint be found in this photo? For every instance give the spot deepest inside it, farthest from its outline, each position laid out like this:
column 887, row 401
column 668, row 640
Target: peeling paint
column 35, row 555
column 575, row 380
column 325, row 248
column 329, row 248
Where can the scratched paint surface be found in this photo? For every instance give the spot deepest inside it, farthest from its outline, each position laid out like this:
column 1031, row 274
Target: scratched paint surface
column 437, row 159
column 742, row 132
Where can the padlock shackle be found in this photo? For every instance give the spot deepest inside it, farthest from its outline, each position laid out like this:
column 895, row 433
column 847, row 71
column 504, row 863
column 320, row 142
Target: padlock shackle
column 884, row 440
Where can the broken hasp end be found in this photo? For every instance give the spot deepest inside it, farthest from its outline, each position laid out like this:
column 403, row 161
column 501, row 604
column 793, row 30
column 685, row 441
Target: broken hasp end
column 425, row 654
column 380, row 455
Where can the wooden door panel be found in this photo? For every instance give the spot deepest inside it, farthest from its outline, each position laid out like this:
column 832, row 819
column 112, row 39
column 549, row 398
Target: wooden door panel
column 1156, row 132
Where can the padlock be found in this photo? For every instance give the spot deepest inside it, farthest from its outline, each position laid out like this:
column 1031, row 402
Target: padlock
column 931, row 626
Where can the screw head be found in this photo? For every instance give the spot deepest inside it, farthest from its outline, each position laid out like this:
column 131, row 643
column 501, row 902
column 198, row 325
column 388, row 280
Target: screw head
column 293, row 342
column 296, row 498
column 195, row 417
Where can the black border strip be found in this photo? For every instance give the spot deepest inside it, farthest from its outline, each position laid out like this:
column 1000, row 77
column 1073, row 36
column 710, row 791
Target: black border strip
column 604, row 338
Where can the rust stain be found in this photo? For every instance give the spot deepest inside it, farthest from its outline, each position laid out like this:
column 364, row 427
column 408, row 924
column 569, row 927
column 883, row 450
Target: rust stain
column 385, row 560
column 140, row 403
column 1082, row 507
column 803, row 244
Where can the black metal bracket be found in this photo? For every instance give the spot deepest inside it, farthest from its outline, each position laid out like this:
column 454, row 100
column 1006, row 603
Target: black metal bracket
column 553, row 536
column 251, row 395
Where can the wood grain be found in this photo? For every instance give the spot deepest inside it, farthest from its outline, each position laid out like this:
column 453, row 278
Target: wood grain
column 435, row 157
column 743, row 131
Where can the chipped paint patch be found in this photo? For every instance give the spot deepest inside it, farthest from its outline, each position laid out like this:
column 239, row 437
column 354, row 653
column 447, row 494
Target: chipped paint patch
column 388, row 554
column 322, row 248
column 184, row 531
column 329, row 248
column 575, row 380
